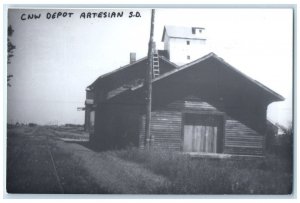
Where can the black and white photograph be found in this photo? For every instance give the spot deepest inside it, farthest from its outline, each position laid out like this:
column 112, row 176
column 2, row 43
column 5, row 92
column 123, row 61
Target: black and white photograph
column 150, row 101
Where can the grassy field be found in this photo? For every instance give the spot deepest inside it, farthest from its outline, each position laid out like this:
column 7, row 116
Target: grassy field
column 30, row 168
column 59, row 160
column 268, row 175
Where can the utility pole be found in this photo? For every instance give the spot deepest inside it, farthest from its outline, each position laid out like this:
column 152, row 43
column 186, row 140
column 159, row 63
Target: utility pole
column 148, row 138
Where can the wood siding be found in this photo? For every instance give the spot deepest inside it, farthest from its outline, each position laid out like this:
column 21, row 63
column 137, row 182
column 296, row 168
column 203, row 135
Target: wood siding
column 165, row 130
column 166, row 127
column 240, row 139
column 220, row 90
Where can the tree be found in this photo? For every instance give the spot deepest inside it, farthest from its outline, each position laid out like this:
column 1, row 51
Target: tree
column 285, row 141
column 10, row 50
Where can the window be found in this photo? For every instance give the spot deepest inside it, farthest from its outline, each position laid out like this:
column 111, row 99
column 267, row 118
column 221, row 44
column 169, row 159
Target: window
column 188, row 57
column 193, row 30
column 196, row 29
column 188, row 42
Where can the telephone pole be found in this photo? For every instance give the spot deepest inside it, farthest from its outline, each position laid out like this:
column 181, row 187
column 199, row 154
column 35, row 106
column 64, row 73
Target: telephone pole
column 148, row 137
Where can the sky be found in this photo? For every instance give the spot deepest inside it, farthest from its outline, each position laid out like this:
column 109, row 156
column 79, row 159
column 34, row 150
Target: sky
column 57, row 58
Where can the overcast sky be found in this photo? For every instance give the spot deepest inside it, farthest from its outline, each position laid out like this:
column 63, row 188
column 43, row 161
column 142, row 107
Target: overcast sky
column 56, row 59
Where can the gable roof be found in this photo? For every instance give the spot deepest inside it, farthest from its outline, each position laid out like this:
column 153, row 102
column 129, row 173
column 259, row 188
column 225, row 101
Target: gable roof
column 116, row 70
column 227, row 65
column 128, row 66
column 196, row 65
column 181, row 32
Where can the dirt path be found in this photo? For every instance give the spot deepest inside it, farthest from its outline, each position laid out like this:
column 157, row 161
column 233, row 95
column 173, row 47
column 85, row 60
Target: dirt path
column 38, row 162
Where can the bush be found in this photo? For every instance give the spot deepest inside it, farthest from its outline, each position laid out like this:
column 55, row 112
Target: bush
column 281, row 145
column 32, row 124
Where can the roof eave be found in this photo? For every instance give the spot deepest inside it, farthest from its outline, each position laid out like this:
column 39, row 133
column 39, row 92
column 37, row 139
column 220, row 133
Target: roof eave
column 116, row 70
column 275, row 96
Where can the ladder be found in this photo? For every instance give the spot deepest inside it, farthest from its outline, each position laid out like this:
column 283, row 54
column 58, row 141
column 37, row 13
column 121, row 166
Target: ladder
column 155, row 67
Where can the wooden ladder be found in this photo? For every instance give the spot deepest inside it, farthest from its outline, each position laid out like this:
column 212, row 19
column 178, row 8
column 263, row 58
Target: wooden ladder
column 155, row 67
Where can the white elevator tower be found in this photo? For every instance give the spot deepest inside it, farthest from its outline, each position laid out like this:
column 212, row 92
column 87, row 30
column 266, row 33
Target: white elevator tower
column 184, row 44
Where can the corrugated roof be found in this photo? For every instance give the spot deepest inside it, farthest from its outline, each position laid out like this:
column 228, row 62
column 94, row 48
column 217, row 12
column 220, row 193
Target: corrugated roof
column 182, row 32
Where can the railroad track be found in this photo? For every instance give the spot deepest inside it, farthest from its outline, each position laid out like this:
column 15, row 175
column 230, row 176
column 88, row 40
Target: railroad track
column 54, row 165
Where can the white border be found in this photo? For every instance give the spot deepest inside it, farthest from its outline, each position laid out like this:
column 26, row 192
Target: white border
column 146, row 3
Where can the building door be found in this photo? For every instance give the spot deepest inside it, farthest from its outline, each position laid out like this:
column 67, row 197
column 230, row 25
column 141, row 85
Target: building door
column 202, row 132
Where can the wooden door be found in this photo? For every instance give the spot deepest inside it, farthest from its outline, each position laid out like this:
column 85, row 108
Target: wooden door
column 199, row 138
column 200, row 134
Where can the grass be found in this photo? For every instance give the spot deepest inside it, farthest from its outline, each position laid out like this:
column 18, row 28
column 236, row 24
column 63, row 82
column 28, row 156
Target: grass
column 269, row 175
column 133, row 171
column 80, row 170
column 73, row 177
column 30, row 168
column 115, row 175
column 28, row 165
